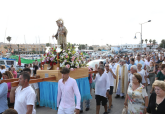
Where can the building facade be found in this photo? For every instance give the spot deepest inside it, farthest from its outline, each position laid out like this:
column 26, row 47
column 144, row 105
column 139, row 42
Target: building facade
column 22, row 48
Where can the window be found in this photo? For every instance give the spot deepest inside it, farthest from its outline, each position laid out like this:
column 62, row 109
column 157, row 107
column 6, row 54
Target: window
column 2, row 62
column 10, row 62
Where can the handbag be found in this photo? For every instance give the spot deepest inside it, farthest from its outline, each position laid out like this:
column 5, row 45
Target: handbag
column 125, row 110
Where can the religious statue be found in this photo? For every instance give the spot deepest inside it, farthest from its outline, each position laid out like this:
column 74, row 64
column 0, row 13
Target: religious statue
column 61, row 34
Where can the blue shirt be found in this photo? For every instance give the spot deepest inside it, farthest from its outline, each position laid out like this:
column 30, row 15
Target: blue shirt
column 129, row 67
column 3, row 97
column 141, row 62
column 128, row 62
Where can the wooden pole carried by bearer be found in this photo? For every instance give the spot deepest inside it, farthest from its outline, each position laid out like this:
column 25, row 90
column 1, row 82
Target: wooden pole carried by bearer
column 16, row 79
column 14, row 84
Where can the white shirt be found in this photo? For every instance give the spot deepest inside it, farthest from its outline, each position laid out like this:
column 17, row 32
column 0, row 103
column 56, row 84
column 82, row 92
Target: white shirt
column 127, row 66
column 113, row 66
column 130, row 77
column 23, row 98
column 67, row 93
column 142, row 73
column 111, row 78
column 101, row 84
column 147, row 63
column 3, row 71
column 31, row 68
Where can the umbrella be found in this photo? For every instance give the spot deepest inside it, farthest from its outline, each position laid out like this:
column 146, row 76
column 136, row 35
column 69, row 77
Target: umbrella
column 19, row 61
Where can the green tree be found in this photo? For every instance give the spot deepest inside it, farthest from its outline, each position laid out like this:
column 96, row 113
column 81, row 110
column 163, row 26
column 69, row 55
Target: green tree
column 5, row 47
column 90, row 48
column 142, row 41
column 162, row 44
column 154, row 42
column 86, row 46
column 150, row 43
column 146, row 41
column 81, row 46
column 9, row 39
column 47, row 44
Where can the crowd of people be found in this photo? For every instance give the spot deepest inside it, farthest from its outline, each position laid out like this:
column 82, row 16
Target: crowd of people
column 129, row 76
column 125, row 75
column 22, row 99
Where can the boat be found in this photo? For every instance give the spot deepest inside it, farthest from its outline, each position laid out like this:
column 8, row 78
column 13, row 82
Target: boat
column 8, row 62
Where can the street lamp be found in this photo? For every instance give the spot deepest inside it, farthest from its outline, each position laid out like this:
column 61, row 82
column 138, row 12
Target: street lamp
column 141, row 40
column 141, row 32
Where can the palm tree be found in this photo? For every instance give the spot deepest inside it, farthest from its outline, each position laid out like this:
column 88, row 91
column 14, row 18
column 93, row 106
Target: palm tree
column 86, row 46
column 18, row 48
column 154, row 42
column 146, row 41
column 150, row 43
column 142, row 41
column 9, row 39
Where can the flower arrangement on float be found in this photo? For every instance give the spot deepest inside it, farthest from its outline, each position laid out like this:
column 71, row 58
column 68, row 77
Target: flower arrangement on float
column 68, row 58
column 71, row 59
column 50, row 57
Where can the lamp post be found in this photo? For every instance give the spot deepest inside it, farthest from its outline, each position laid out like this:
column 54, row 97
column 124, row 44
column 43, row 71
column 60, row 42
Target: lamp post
column 141, row 39
column 141, row 32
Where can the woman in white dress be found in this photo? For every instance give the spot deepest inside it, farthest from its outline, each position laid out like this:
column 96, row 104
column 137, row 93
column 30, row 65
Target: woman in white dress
column 136, row 98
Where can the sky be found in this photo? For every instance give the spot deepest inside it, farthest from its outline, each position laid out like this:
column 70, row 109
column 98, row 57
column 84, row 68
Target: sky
column 92, row 22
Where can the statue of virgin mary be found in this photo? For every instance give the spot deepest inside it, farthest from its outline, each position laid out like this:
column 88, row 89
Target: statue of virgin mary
column 61, row 34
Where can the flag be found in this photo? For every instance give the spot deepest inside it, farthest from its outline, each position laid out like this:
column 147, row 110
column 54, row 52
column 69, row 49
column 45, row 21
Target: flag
column 19, row 61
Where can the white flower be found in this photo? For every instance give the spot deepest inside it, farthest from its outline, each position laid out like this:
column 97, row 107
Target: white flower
column 53, row 55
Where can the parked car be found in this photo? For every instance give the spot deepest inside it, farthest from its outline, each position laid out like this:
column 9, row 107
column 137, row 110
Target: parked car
column 91, row 64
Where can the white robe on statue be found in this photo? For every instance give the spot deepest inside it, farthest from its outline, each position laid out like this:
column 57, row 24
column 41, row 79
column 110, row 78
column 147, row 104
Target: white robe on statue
column 121, row 81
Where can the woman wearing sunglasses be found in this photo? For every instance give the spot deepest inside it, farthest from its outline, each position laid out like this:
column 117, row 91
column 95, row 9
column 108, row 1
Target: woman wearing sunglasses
column 137, row 98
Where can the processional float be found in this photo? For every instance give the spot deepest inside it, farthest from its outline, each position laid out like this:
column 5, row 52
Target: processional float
column 52, row 61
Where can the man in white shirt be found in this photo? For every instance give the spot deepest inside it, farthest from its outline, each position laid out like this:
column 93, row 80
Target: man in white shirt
column 101, row 89
column 147, row 62
column 113, row 65
column 111, row 76
column 23, row 96
column 34, row 86
column 67, row 90
column 139, row 61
